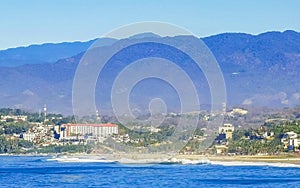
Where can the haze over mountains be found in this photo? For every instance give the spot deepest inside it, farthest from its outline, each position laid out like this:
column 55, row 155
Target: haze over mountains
column 260, row 70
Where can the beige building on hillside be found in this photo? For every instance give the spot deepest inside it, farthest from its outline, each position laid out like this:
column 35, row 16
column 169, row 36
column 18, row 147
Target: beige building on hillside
column 228, row 129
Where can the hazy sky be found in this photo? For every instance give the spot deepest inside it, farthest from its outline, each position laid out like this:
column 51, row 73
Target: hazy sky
column 38, row 21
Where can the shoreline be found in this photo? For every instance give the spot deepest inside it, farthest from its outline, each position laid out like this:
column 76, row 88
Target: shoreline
column 287, row 159
column 244, row 158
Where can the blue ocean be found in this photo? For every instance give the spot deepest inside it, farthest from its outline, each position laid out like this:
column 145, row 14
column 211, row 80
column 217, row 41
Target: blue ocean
column 24, row 171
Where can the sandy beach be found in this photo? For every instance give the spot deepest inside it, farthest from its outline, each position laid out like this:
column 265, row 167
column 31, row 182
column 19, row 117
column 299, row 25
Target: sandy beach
column 288, row 159
column 292, row 159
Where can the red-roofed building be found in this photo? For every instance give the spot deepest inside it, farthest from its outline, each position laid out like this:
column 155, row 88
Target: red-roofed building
column 96, row 130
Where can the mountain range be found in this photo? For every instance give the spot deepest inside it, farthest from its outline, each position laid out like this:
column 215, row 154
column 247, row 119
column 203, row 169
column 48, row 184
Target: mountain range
column 259, row 70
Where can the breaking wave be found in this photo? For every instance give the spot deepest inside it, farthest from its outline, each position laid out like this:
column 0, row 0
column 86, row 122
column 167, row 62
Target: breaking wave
column 166, row 161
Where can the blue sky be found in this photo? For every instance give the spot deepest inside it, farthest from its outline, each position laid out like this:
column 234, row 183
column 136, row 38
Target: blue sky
column 38, row 21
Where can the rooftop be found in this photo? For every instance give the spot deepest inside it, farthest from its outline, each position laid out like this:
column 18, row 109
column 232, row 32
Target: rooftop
column 93, row 125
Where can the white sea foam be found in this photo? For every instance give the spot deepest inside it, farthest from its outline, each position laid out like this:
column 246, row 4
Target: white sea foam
column 81, row 159
column 129, row 160
column 162, row 161
column 173, row 160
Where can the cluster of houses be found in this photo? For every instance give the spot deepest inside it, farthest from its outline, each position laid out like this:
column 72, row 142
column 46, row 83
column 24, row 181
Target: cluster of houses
column 290, row 140
column 43, row 134
column 13, row 118
column 69, row 133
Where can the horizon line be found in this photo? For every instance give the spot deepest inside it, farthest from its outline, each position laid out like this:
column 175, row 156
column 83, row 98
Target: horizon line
column 89, row 40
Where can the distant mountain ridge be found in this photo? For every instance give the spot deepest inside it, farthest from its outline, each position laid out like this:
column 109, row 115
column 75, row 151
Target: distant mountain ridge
column 259, row 70
column 266, row 49
column 45, row 53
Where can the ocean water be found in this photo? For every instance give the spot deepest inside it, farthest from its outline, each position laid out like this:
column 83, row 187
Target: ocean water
column 20, row 171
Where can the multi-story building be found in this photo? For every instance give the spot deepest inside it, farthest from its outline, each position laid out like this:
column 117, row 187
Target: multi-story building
column 291, row 141
column 29, row 136
column 227, row 129
column 95, row 130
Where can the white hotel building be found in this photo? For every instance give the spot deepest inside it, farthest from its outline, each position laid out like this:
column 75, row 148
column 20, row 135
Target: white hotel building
column 96, row 130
